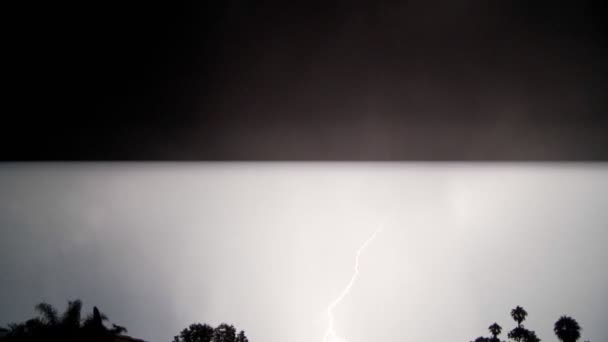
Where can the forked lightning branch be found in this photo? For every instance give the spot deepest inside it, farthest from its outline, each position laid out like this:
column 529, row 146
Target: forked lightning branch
column 330, row 334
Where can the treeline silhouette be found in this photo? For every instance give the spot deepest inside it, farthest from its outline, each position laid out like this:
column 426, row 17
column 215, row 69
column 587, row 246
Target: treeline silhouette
column 205, row 333
column 565, row 328
column 70, row 326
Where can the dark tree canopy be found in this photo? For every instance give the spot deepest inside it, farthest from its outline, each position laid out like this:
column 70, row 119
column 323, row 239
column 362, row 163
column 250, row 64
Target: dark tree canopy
column 495, row 330
column 482, row 339
column 567, row 329
column 519, row 333
column 195, row 333
column 204, row 333
column 531, row 337
column 241, row 337
column 519, row 314
column 224, row 333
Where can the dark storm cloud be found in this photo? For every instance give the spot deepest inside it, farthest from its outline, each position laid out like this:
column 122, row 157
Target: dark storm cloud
column 335, row 80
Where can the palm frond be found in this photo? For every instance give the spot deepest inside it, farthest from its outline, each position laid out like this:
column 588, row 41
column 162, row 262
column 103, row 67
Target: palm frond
column 118, row 329
column 71, row 316
column 48, row 312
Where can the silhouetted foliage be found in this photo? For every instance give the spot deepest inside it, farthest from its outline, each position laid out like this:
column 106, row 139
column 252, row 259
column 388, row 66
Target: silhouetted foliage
column 495, row 330
column 205, row 333
column 567, row 329
column 224, row 333
column 520, row 333
column 69, row 326
column 71, row 316
column 118, row 329
column 519, row 314
column 482, row 339
column 241, row 337
column 195, row 333
column 48, row 313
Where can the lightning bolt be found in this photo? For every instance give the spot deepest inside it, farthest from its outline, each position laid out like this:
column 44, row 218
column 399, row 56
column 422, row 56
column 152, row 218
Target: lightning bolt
column 330, row 334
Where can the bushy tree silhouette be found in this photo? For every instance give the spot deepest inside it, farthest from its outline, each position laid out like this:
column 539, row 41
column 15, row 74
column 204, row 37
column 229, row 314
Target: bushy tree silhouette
column 482, row 339
column 204, row 333
column 224, row 333
column 567, row 329
column 195, row 333
column 241, row 337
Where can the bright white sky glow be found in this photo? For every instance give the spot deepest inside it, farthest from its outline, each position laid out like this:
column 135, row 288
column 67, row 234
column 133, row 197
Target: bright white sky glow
column 266, row 246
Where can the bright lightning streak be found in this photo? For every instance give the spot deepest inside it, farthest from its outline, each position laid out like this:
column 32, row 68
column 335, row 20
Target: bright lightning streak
column 330, row 335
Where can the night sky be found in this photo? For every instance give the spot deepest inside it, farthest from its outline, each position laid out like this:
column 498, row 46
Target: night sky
column 342, row 80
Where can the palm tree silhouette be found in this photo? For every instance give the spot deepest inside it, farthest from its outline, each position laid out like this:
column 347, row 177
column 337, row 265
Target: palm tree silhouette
column 495, row 330
column 48, row 312
column 70, row 320
column 567, row 329
column 519, row 315
column 519, row 333
column 95, row 321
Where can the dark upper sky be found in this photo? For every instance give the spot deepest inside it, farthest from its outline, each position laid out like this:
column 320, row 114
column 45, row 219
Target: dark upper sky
column 275, row 80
